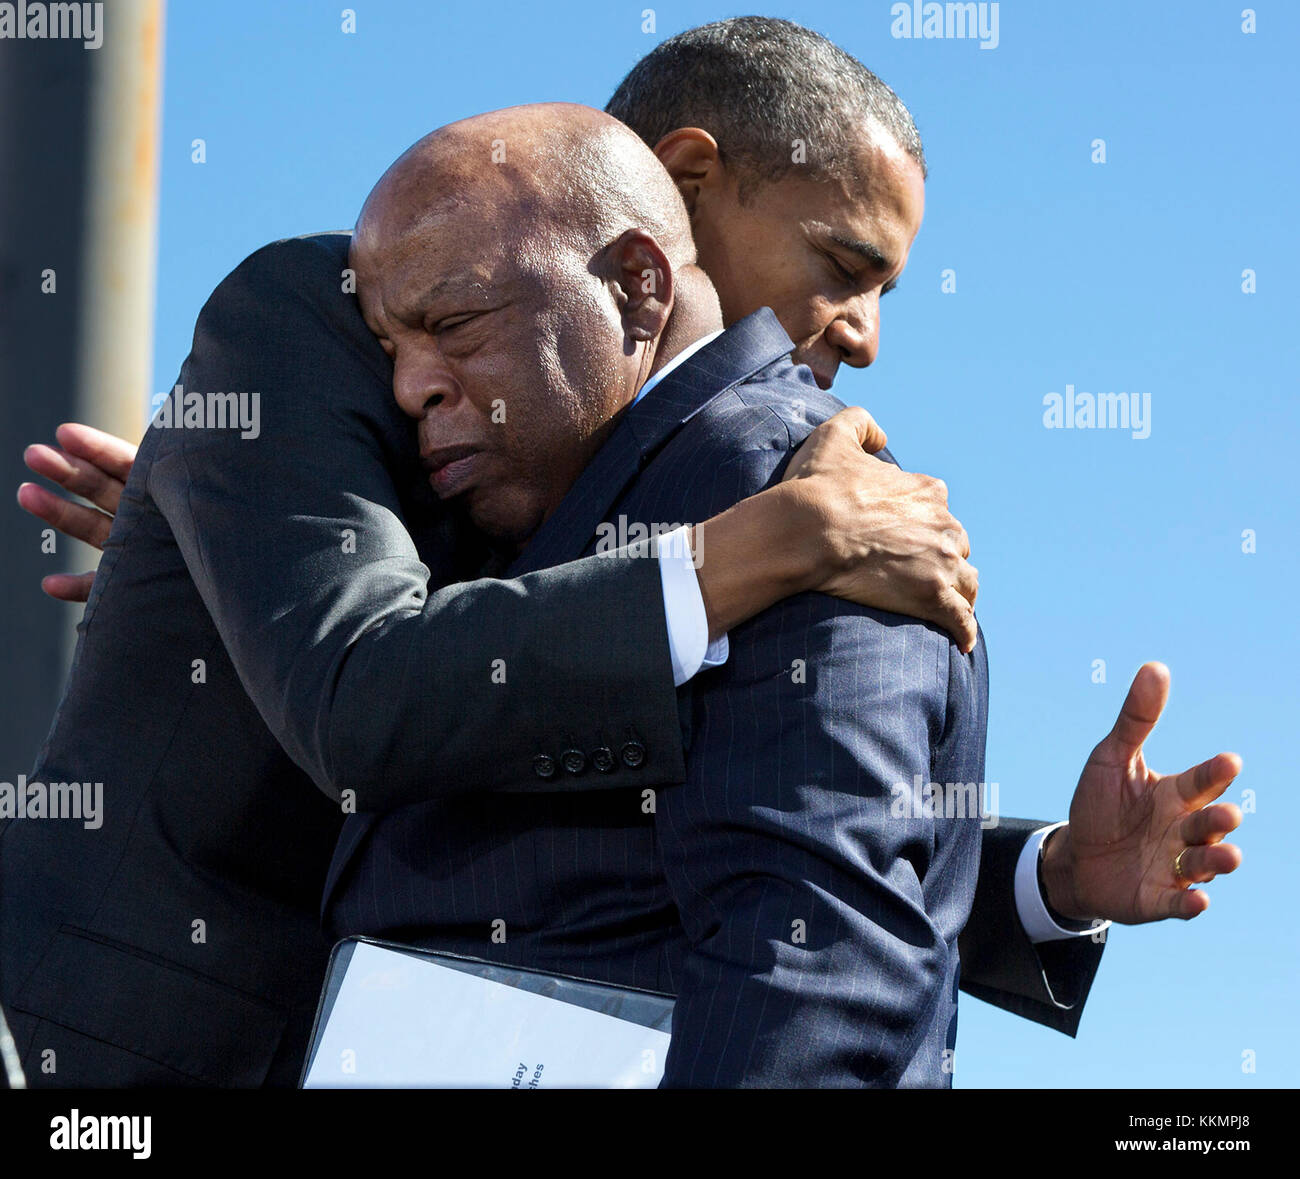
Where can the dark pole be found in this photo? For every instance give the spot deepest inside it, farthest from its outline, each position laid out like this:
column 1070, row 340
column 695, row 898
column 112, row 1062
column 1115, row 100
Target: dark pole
column 44, row 156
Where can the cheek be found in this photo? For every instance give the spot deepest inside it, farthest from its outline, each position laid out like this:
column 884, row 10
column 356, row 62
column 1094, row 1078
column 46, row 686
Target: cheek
column 533, row 420
column 766, row 270
column 755, row 276
column 805, row 317
column 819, row 315
column 562, row 385
column 590, row 377
column 491, row 386
column 737, row 252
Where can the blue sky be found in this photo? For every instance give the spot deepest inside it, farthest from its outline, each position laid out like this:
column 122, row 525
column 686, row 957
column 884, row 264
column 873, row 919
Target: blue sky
column 1122, row 276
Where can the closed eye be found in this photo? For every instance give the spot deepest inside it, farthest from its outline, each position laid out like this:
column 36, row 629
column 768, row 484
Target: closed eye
column 453, row 321
column 840, row 269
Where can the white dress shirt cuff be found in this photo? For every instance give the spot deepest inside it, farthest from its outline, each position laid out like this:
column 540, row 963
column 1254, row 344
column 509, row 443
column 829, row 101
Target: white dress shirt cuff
column 688, row 625
column 1031, row 906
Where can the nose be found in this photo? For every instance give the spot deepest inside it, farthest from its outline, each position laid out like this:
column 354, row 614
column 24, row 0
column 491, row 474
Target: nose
column 855, row 331
column 421, row 381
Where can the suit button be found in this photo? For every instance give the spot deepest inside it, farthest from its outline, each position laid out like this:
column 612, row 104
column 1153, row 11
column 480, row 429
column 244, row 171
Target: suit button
column 633, row 754
column 573, row 760
column 544, row 766
column 602, row 757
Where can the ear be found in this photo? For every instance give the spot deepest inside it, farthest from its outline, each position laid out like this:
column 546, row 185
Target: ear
column 693, row 161
column 643, row 281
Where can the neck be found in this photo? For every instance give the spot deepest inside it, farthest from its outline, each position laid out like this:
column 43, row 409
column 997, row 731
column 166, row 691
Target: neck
column 696, row 313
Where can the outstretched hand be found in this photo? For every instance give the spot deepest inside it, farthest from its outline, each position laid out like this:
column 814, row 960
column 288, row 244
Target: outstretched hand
column 1129, row 825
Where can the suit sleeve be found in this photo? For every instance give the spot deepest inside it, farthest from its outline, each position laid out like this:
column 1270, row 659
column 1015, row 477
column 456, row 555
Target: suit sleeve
column 1047, row 982
column 298, row 541
column 812, row 958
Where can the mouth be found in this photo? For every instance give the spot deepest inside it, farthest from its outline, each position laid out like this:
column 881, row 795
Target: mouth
column 452, row 469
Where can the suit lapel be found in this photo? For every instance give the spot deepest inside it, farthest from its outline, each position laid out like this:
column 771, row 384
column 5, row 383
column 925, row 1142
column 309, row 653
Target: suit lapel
column 747, row 346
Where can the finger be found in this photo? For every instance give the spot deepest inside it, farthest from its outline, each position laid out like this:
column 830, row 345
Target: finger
column 1202, row 864
column 856, row 419
column 963, row 541
column 76, row 475
column 74, row 520
column 968, row 581
column 1186, row 903
column 49, row 462
column 955, row 615
column 111, row 454
column 1211, row 823
column 1142, row 708
column 68, row 587
column 1204, row 783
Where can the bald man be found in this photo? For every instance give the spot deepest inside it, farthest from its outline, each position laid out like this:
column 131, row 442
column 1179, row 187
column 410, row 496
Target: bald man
column 563, row 358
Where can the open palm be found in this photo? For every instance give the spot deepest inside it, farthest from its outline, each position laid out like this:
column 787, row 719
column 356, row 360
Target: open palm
column 1128, row 823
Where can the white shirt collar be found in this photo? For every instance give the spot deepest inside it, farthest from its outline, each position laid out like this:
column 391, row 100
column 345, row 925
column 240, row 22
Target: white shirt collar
column 686, row 352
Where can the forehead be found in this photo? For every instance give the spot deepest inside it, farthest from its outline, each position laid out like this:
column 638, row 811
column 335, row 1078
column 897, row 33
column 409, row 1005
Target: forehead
column 450, row 247
column 880, row 190
column 886, row 179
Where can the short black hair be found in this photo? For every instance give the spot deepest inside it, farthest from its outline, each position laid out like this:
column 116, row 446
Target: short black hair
column 757, row 84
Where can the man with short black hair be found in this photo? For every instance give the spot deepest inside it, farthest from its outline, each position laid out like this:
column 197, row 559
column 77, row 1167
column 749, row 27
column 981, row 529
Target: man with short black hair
column 795, row 162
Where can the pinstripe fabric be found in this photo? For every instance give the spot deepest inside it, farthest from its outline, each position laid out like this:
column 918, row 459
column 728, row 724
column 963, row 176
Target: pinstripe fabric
column 807, row 922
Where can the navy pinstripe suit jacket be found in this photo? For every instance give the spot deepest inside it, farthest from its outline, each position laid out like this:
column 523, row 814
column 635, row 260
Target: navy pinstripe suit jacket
column 791, row 892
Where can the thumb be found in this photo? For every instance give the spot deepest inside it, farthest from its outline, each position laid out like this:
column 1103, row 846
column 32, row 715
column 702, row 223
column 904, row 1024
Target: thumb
column 870, row 436
column 1146, row 700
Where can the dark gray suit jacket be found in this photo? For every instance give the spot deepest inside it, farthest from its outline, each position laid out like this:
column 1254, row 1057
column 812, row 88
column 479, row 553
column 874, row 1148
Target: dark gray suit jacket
column 261, row 645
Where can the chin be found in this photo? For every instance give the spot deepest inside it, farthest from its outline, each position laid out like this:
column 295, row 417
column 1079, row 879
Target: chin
column 506, row 527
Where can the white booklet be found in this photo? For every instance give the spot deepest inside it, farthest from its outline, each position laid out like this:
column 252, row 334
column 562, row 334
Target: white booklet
column 400, row 1017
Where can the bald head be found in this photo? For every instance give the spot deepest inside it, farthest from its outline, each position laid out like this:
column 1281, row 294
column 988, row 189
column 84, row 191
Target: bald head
column 545, row 175
column 527, row 270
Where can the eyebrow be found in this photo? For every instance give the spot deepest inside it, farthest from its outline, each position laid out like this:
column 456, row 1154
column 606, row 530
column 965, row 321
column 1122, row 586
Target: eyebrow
column 454, row 285
column 865, row 250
